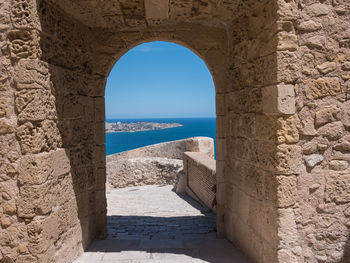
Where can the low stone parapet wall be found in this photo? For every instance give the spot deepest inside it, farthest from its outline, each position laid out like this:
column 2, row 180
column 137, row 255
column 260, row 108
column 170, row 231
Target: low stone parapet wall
column 170, row 150
column 155, row 164
column 143, row 171
column 199, row 179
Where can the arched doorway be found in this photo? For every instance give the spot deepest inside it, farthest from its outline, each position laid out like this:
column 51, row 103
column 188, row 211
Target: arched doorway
column 159, row 84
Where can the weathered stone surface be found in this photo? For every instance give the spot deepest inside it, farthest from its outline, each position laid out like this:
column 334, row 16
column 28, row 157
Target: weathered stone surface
column 309, row 26
column 287, row 41
column 289, row 130
column 316, row 42
column 307, row 126
column 327, row 67
column 338, row 165
column 279, row 99
column 35, row 105
column 5, row 128
column 318, row 9
column 346, row 66
column 332, row 131
column 313, row 160
column 143, row 171
column 327, row 114
column 286, row 190
column 156, row 10
column 337, row 189
column 318, row 88
column 4, row 107
column 37, row 169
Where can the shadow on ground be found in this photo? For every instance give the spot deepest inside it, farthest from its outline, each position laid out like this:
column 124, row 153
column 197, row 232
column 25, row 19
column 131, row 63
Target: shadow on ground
column 163, row 250
column 146, row 238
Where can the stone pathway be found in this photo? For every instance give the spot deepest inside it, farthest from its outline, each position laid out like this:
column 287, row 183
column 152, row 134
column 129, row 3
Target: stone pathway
column 154, row 224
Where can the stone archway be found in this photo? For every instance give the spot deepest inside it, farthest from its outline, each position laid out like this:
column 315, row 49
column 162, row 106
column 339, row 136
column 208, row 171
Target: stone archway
column 272, row 115
column 215, row 59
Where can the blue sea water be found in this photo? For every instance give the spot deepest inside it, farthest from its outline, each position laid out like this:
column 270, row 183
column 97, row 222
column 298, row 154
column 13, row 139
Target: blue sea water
column 123, row 141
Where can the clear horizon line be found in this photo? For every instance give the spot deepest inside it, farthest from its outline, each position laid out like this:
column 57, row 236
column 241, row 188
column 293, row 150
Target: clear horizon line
column 154, row 117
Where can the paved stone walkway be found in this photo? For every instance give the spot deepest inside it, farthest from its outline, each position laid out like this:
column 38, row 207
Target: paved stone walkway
column 154, row 224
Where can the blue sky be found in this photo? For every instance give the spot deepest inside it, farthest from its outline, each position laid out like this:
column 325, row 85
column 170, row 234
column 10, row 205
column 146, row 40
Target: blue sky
column 160, row 80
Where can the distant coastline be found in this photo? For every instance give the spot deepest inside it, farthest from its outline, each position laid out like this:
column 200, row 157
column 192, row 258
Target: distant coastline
column 113, row 127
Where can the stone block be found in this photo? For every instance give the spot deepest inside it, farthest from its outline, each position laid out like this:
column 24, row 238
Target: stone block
column 309, row 26
column 201, row 144
column 346, row 66
column 289, row 159
column 99, row 109
column 278, row 99
column 338, row 165
column 326, row 67
column 31, row 138
column 327, row 114
column 24, row 44
column 67, row 216
column 288, row 129
column 84, row 178
column 221, row 126
column 37, row 169
column 322, row 87
column 99, row 156
column 5, row 107
column 286, row 190
column 337, row 187
column 42, row 234
column 35, row 200
column 287, row 41
column 332, row 131
column 74, row 107
column 316, row 42
column 101, row 201
column 34, row 169
column 313, row 159
column 220, row 104
column 288, row 66
column 318, row 9
column 220, row 149
column 86, row 204
column 156, row 9
column 99, row 133
column 32, row 74
column 287, row 229
column 69, row 132
column 5, row 128
column 247, row 100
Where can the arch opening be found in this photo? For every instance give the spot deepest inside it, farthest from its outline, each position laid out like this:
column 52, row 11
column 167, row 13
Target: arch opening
column 160, row 96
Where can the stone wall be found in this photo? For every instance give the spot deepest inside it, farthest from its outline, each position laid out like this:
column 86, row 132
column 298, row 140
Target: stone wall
column 143, row 171
column 322, row 193
column 170, row 150
column 48, row 182
column 159, row 163
column 199, row 180
column 280, row 70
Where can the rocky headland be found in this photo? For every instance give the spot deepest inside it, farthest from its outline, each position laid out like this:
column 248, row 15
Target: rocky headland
column 138, row 126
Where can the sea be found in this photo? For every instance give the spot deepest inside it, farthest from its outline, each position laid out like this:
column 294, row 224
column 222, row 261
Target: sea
column 191, row 127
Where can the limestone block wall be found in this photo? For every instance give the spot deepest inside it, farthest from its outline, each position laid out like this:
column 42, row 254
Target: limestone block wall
column 48, row 141
column 200, row 177
column 257, row 131
column 280, row 70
